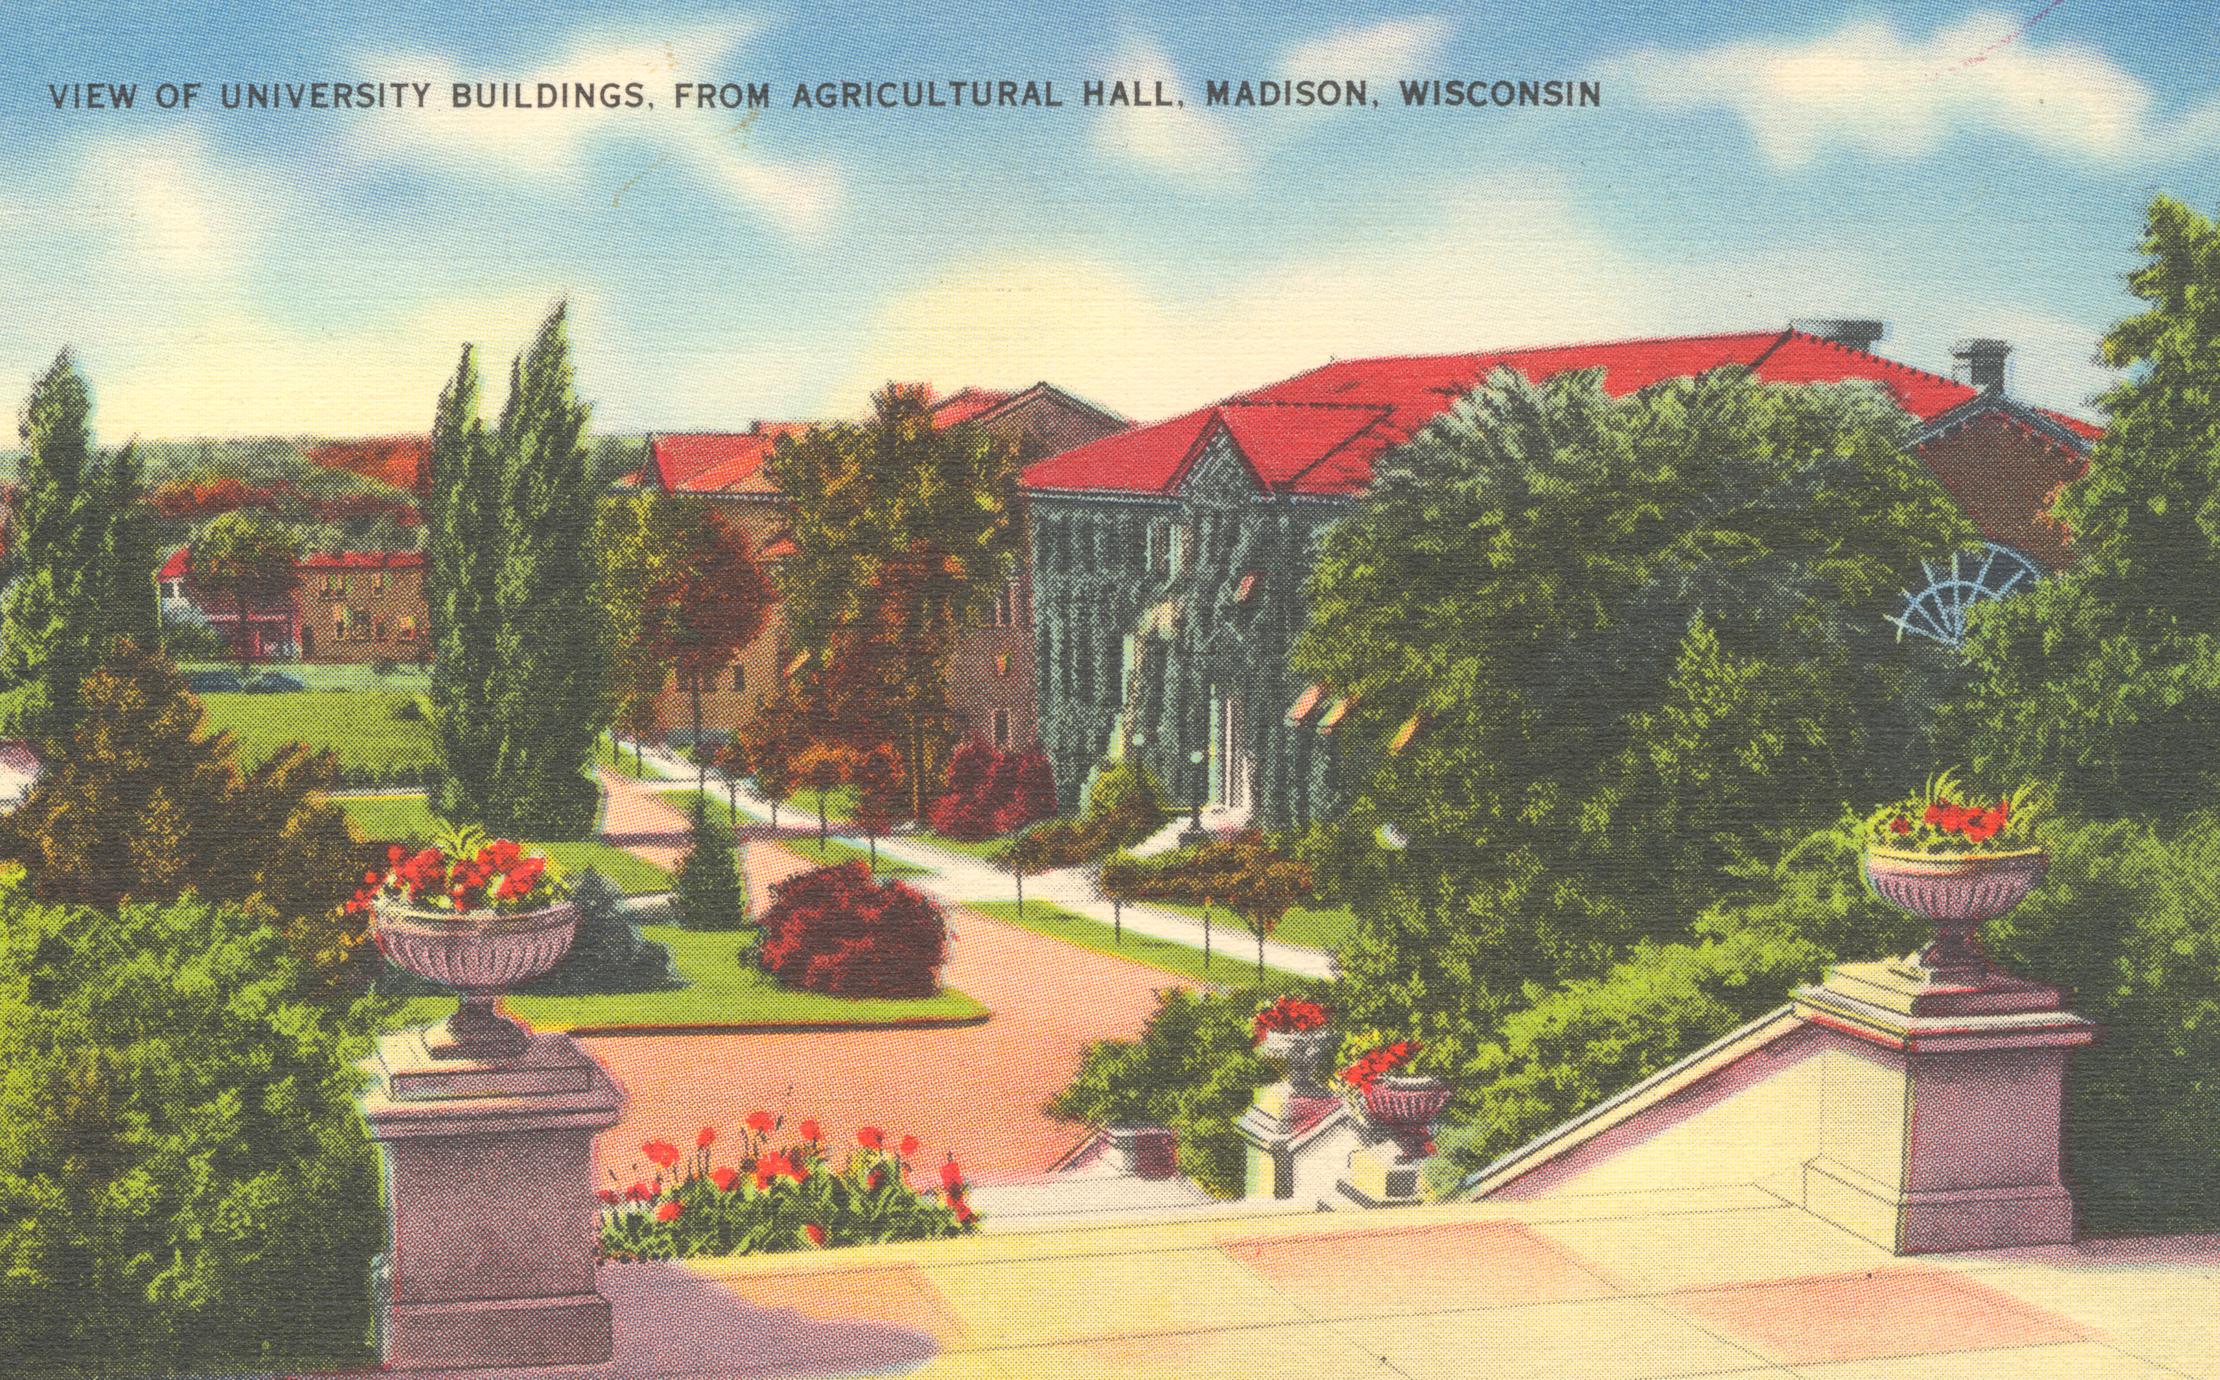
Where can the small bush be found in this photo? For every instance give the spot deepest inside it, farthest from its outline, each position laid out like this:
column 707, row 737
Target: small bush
column 608, row 954
column 790, row 1199
column 710, row 893
column 1195, row 1069
column 991, row 792
column 837, row 931
column 1125, row 803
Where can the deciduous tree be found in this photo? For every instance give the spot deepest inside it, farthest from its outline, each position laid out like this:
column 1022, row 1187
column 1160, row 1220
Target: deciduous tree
column 709, row 602
column 896, row 524
column 246, row 560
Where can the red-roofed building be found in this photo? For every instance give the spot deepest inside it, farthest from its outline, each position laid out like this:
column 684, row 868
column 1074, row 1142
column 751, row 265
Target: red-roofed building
column 1243, row 486
column 991, row 675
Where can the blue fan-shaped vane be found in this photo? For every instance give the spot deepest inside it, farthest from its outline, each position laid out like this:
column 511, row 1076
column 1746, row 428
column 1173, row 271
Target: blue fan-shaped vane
column 1987, row 572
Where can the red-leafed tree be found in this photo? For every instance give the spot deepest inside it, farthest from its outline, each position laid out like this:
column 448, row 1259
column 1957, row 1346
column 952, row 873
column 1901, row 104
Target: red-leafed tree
column 882, row 793
column 709, row 603
column 1023, row 791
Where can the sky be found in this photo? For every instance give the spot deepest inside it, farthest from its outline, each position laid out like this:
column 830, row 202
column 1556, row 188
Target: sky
column 1952, row 170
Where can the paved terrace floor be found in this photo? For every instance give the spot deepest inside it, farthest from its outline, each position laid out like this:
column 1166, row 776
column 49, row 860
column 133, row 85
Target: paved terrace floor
column 974, row 1091
column 1728, row 1282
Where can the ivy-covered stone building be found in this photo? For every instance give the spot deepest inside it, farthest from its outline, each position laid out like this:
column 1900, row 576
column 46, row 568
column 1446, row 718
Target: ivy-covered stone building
column 1169, row 562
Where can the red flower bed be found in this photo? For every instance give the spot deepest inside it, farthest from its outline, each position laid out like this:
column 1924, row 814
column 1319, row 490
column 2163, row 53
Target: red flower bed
column 839, row 931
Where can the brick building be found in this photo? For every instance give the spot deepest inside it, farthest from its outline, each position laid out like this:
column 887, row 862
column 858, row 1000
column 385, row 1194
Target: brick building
column 361, row 606
column 991, row 674
column 1169, row 561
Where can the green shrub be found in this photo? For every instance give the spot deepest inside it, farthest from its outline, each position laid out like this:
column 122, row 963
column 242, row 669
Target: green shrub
column 710, row 893
column 184, row 1182
column 1124, row 803
column 1194, row 1069
column 608, row 954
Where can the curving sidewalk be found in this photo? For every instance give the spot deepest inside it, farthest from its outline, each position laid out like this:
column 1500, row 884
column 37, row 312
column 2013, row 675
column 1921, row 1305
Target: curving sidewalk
column 956, row 878
column 974, row 1091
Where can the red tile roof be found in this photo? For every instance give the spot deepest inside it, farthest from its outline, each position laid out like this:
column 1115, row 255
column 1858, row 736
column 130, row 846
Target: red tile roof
column 174, row 568
column 1319, row 433
column 711, row 461
column 965, row 404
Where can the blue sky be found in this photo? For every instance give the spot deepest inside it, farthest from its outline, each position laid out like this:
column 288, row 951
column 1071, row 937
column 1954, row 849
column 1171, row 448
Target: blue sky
column 1953, row 170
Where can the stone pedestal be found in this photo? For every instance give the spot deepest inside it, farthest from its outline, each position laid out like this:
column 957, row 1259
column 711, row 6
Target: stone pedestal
column 1382, row 1175
column 1941, row 1115
column 493, row 1223
column 1286, row 1132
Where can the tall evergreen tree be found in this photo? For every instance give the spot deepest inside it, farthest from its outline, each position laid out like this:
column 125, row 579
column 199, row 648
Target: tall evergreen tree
column 81, row 558
column 549, row 647
column 463, row 518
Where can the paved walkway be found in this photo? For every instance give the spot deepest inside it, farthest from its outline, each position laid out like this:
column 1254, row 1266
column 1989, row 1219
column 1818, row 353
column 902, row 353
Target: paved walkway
column 975, row 1091
column 960, row 877
column 1715, row 1282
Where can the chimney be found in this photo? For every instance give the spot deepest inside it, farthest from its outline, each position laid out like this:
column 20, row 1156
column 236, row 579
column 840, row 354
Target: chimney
column 1980, row 362
column 1856, row 333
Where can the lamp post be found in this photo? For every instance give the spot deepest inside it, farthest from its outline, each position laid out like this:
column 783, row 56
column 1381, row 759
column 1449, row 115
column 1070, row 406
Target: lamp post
column 1194, row 832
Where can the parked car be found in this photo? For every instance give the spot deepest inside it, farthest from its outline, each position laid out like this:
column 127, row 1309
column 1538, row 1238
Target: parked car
column 213, row 682
column 272, row 683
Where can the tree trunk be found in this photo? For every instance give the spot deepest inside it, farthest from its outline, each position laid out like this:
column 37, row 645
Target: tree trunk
column 1117, row 921
column 874, row 841
column 701, row 759
column 1260, row 958
column 1206, row 936
column 240, row 642
column 820, row 824
column 1021, row 894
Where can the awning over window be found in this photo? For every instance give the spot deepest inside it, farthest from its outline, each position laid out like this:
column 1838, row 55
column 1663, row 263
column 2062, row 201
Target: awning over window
column 1305, row 704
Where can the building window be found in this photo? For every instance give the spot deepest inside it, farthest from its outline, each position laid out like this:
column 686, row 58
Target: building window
column 1006, row 604
column 1002, row 664
column 1160, row 546
column 377, row 630
column 739, row 677
column 1002, row 730
column 406, row 630
column 377, row 582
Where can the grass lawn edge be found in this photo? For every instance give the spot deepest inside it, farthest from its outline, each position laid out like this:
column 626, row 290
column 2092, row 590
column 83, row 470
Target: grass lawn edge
column 1054, row 922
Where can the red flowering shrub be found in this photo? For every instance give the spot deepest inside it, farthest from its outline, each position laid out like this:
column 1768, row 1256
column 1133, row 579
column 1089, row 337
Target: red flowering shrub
column 992, row 792
column 1379, row 1061
column 839, row 931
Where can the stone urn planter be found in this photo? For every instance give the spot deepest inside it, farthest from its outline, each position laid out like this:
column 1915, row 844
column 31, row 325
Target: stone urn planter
column 480, row 954
column 1403, row 1107
column 1957, row 892
column 1302, row 1056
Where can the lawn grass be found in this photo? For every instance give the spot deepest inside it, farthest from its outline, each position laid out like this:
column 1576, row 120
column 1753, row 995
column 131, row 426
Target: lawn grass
column 362, row 728
column 1305, row 927
column 719, row 990
column 1227, row 966
column 322, row 675
column 840, row 804
column 837, row 851
column 409, row 819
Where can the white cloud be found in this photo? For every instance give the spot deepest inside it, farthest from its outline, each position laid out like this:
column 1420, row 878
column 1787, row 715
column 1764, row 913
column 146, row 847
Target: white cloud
column 1505, row 262
column 1869, row 88
column 1189, row 144
column 1380, row 51
column 168, row 204
column 556, row 144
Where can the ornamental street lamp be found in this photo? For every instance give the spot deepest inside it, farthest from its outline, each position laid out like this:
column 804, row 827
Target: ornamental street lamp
column 1194, row 833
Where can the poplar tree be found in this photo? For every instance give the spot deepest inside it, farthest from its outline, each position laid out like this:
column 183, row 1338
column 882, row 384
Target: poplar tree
column 462, row 513
column 549, row 646
column 81, row 558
